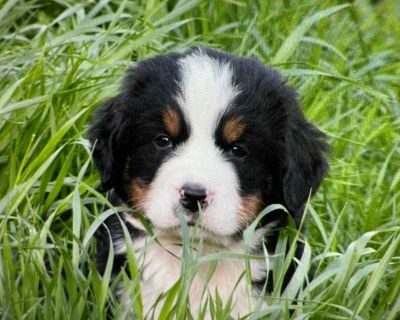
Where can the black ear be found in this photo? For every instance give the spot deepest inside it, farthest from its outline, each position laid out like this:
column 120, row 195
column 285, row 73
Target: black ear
column 305, row 164
column 104, row 136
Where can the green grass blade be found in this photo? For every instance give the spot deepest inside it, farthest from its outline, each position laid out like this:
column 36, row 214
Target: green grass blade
column 292, row 41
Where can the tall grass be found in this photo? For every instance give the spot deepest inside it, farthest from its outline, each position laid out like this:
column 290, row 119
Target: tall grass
column 60, row 59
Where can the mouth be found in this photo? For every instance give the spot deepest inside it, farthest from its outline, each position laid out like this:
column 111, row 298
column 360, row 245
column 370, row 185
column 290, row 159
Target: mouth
column 196, row 235
column 192, row 218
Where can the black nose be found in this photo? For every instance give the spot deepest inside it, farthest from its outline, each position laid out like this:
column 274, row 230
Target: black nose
column 191, row 195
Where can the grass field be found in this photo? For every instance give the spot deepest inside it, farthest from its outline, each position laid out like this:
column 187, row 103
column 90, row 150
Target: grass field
column 60, row 59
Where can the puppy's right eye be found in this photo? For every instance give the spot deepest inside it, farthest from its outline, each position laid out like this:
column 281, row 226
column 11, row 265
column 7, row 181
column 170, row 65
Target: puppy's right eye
column 163, row 142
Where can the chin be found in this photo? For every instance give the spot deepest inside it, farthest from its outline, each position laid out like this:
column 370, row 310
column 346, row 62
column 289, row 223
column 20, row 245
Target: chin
column 212, row 138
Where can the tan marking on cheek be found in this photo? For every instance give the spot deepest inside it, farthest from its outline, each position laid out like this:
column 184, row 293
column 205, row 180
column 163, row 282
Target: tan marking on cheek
column 250, row 208
column 137, row 194
column 172, row 122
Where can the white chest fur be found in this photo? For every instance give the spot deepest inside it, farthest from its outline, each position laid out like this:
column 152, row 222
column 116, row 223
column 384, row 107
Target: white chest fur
column 162, row 266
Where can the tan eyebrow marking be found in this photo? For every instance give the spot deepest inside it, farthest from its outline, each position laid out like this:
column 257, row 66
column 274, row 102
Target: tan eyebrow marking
column 233, row 129
column 171, row 121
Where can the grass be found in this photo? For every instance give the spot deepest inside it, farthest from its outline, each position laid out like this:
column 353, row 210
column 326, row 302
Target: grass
column 60, row 59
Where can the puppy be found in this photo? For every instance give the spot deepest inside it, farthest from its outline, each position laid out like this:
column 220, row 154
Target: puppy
column 214, row 138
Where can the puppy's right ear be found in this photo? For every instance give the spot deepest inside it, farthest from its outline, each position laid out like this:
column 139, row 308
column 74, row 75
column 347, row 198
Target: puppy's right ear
column 103, row 135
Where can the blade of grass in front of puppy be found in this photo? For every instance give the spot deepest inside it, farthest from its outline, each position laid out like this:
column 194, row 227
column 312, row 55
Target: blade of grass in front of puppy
column 98, row 222
column 286, row 257
column 261, row 297
column 300, row 275
column 147, row 225
column 170, row 300
column 211, row 269
column 103, row 286
column 249, row 233
column 268, row 311
column 302, row 266
column 204, row 308
column 186, row 253
column 283, row 260
column 134, row 272
column 227, row 255
column 226, row 309
column 279, row 261
column 216, row 304
column 187, row 270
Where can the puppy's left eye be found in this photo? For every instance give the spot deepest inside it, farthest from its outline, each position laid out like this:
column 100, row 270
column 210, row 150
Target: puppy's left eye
column 163, row 142
column 238, row 151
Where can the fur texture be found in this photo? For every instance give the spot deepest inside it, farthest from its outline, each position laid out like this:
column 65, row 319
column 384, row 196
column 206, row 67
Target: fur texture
column 211, row 131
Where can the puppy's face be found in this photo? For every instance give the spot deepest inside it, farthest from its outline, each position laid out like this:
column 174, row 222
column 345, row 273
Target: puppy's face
column 207, row 132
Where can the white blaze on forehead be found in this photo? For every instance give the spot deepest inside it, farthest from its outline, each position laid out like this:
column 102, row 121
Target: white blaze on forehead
column 206, row 91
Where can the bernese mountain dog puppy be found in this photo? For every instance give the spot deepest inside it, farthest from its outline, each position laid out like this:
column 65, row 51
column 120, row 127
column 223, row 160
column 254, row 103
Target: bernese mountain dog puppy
column 212, row 138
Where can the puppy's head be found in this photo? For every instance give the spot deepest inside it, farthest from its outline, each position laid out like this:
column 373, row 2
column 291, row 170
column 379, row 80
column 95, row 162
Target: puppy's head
column 211, row 131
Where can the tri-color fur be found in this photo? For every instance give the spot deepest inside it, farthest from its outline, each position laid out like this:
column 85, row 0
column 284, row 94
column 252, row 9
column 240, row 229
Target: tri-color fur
column 203, row 129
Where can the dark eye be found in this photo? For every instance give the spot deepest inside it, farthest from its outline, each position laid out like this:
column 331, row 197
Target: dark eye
column 163, row 142
column 238, row 151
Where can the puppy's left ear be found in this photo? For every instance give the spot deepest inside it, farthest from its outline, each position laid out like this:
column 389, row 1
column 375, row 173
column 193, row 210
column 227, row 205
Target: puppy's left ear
column 104, row 136
column 305, row 164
